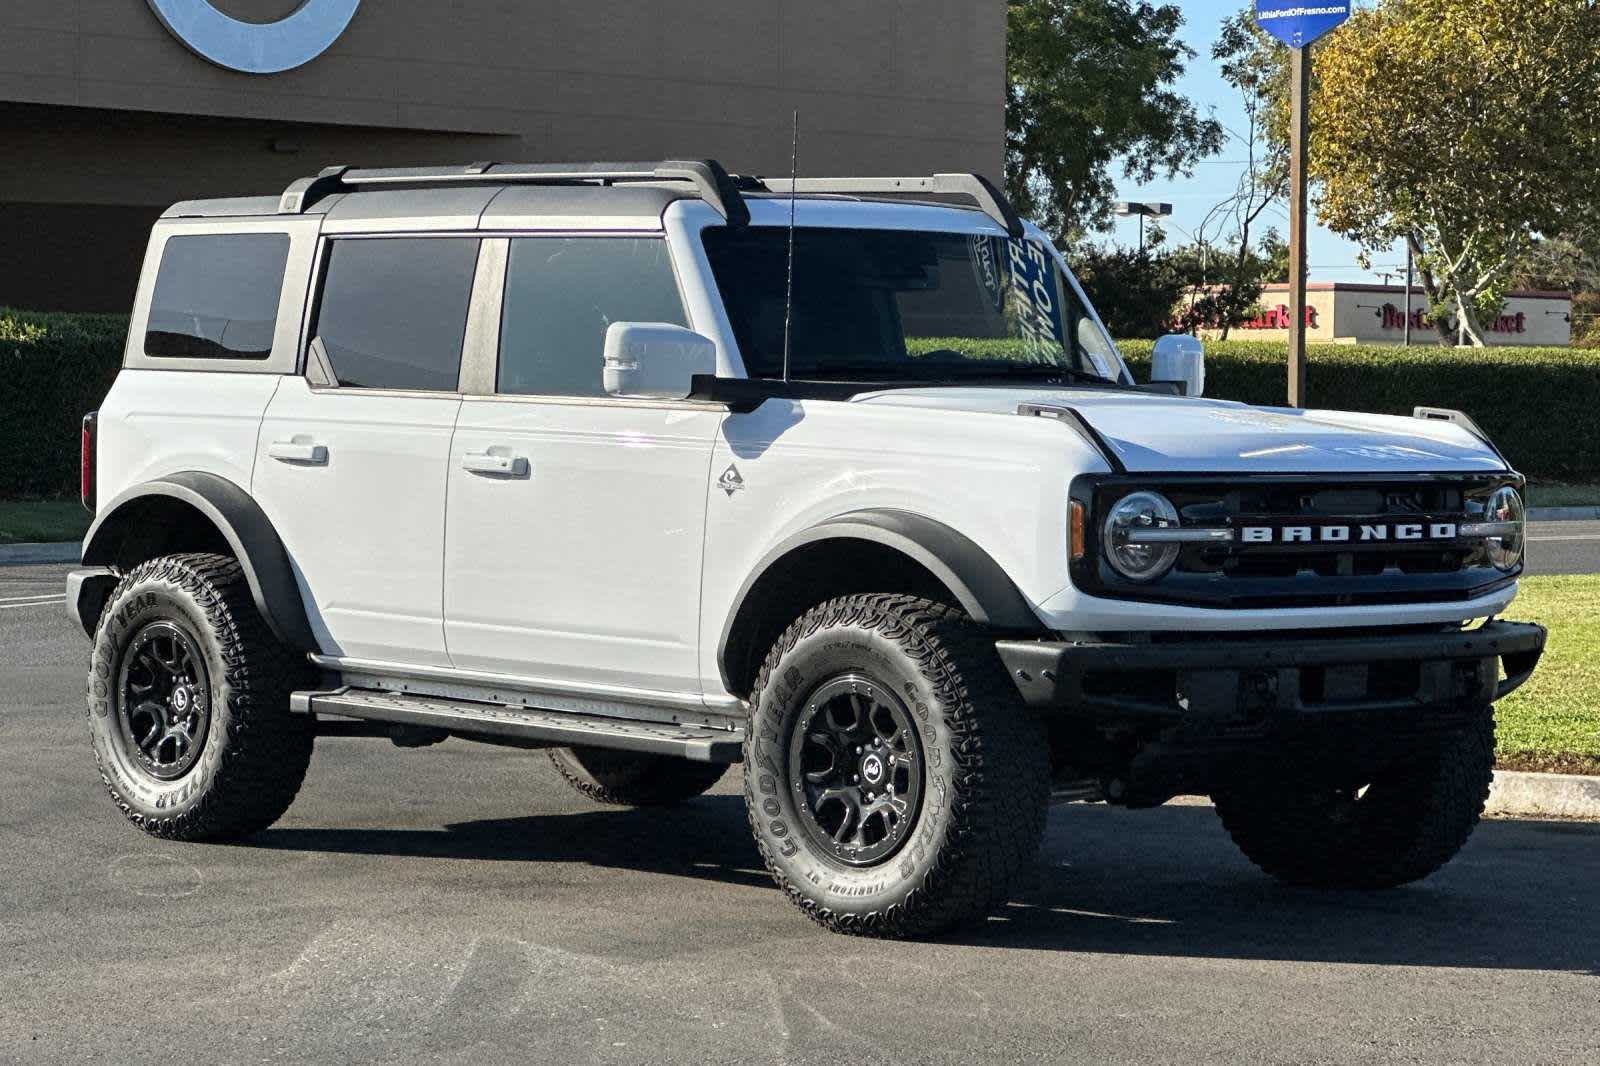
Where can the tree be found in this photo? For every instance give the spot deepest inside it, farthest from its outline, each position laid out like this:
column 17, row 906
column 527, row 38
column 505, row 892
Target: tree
column 1571, row 263
column 1233, row 280
column 1224, row 284
column 1089, row 82
column 1467, row 128
column 1136, row 291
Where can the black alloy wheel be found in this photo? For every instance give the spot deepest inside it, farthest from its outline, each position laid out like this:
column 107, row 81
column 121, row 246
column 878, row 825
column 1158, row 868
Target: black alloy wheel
column 894, row 781
column 188, row 700
column 163, row 700
column 856, row 764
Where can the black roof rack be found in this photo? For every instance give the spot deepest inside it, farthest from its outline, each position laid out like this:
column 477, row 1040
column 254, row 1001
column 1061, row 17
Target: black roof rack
column 979, row 189
column 711, row 182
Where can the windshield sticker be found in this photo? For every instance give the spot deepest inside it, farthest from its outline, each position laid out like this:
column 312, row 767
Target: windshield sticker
column 990, row 274
column 1090, row 343
column 1034, row 295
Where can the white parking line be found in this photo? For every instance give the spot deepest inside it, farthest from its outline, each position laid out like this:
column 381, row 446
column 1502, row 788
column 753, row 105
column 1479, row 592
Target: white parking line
column 37, row 597
column 1541, row 540
column 41, row 603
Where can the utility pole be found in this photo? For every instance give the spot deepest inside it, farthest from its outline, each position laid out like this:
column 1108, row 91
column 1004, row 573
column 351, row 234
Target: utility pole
column 1297, row 25
column 1299, row 135
column 1408, row 292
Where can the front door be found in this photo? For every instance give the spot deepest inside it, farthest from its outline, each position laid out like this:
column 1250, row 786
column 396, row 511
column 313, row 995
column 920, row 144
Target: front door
column 576, row 520
column 351, row 462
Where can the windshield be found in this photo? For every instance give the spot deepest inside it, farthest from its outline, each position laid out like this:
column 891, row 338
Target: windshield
column 897, row 305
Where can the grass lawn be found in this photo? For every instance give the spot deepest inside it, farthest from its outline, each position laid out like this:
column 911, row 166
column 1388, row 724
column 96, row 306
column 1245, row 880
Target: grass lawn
column 36, row 521
column 1549, row 495
column 1553, row 722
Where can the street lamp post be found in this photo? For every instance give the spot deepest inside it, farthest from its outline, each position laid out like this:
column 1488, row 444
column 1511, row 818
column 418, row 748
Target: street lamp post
column 1126, row 209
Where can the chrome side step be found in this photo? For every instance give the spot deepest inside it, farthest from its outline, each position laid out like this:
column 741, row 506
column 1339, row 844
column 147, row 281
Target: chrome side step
column 559, row 728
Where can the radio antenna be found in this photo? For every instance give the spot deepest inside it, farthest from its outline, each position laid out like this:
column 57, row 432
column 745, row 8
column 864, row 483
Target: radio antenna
column 788, row 298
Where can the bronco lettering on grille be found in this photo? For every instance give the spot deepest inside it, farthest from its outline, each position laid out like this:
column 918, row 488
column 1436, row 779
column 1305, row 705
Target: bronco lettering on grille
column 1361, row 533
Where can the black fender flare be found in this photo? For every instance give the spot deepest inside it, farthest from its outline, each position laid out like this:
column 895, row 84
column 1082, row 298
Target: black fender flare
column 243, row 525
column 980, row 585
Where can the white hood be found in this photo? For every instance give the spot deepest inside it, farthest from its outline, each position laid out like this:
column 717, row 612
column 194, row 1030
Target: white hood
column 1150, row 432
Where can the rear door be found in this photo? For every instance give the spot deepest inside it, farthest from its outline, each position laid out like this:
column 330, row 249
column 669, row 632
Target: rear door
column 576, row 519
column 352, row 454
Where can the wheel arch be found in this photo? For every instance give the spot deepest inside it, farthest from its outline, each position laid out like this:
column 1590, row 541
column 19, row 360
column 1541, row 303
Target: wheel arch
column 197, row 511
column 878, row 550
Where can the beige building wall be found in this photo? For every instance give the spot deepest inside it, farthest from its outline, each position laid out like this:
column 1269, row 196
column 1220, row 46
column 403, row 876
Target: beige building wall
column 1375, row 314
column 101, row 105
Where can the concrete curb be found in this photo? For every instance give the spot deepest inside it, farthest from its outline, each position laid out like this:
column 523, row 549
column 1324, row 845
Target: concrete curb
column 22, row 554
column 1563, row 514
column 1529, row 795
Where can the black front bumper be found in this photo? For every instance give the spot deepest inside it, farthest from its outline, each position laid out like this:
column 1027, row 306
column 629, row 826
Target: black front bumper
column 1223, row 680
column 1163, row 718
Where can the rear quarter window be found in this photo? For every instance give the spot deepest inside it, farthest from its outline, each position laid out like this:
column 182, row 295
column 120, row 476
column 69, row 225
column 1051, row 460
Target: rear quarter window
column 216, row 296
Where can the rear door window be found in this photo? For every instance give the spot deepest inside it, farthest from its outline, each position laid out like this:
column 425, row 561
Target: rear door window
column 393, row 311
column 216, row 296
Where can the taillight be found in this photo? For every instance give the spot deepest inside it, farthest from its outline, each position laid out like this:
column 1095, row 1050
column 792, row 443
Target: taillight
column 86, row 461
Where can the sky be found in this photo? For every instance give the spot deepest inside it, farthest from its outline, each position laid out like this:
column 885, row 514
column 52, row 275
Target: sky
column 1328, row 256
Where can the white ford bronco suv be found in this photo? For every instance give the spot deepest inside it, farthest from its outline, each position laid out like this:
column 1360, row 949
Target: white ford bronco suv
column 664, row 469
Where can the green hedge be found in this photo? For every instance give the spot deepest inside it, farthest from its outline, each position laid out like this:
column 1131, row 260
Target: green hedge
column 54, row 369
column 1541, row 405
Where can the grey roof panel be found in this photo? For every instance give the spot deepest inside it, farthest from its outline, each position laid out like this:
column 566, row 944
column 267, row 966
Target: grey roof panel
column 381, row 210
column 625, row 207
column 236, row 207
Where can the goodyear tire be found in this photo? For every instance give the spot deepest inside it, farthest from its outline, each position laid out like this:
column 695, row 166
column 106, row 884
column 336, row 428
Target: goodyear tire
column 1400, row 828
column 895, row 784
column 629, row 779
column 188, row 703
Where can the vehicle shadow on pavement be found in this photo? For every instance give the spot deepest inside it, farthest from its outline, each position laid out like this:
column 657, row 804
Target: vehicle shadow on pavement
column 1165, row 882
column 1521, row 895
column 705, row 838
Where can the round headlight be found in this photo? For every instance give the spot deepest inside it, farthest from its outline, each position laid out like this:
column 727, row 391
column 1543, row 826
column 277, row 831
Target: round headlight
column 1505, row 506
column 1132, row 515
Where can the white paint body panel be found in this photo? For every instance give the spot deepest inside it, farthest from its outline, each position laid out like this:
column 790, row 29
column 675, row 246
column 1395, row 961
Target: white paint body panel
column 1001, row 480
column 588, row 568
column 1172, row 434
column 156, row 422
column 365, row 532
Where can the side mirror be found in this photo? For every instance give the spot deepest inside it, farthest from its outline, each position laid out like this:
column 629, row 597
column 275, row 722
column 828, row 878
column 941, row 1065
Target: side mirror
column 1180, row 358
column 655, row 360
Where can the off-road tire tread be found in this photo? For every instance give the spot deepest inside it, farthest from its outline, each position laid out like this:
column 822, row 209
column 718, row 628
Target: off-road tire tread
column 1000, row 780
column 267, row 749
column 632, row 779
column 1427, row 812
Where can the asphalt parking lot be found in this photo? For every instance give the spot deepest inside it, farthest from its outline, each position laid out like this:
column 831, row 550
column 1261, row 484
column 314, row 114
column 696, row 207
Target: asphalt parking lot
column 1563, row 547
column 459, row 904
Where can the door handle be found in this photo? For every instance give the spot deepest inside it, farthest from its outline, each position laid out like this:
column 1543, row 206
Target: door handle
column 302, row 452
column 495, row 464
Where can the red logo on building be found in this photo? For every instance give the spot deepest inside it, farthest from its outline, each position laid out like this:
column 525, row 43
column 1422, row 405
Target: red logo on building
column 1394, row 318
column 1279, row 318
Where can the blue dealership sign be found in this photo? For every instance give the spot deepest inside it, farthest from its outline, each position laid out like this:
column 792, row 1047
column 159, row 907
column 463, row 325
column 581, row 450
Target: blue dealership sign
column 1299, row 22
column 257, row 47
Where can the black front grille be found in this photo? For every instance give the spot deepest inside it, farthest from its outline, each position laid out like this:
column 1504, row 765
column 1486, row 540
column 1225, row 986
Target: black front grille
column 1235, row 575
